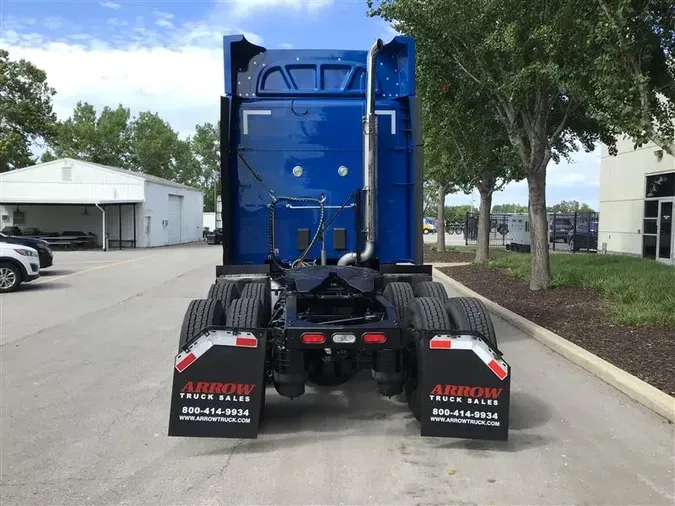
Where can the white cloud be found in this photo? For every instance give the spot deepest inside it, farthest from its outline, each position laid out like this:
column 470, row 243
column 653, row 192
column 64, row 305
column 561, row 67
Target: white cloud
column 52, row 23
column 164, row 19
column 286, row 46
column 164, row 23
column 182, row 85
column 110, row 5
column 246, row 7
column 177, row 73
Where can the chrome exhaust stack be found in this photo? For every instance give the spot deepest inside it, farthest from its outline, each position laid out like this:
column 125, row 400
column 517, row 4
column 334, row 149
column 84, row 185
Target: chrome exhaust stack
column 369, row 161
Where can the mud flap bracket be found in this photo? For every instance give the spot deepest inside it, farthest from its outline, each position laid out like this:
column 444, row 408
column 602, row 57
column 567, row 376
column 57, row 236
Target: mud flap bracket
column 464, row 387
column 218, row 383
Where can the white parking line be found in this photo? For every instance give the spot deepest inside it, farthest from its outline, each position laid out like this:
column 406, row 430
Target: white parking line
column 49, row 279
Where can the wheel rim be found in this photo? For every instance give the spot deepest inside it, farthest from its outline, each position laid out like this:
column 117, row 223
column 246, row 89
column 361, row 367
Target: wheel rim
column 7, row 277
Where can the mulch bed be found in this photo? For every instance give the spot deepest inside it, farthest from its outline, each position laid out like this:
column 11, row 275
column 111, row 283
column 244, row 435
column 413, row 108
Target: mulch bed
column 433, row 256
column 578, row 315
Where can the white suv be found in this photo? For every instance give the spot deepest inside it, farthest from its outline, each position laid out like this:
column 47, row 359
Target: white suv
column 18, row 264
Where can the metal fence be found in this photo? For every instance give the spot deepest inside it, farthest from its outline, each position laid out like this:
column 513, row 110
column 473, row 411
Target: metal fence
column 566, row 231
column 498, row 229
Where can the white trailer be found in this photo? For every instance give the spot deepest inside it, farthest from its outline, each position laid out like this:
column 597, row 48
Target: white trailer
column 519, row 232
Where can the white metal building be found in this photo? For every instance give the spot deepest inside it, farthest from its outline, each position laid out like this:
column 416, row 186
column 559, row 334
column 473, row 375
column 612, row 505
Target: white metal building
column 72, row 200
column 637, row 200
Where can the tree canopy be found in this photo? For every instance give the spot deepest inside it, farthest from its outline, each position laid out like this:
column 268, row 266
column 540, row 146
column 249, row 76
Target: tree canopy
column 144, row 143
column 634, row 72
column 532, row 63
column 26, row 111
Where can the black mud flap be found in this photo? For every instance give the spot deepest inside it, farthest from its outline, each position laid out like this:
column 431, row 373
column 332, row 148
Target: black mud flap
column 218, row 383
column 464, row 388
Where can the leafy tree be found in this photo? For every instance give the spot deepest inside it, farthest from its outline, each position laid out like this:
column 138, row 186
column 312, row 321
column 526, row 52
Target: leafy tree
column 530, row 61
column 439, row 177
column 570, row 206
column 104, row 138
column 457, row 214
column 509, row 209
column 634, row 74
column 206, row 147
column 155, row 146
column 26, row 113
column 430, row 196
column 464, row 140
column 186, row 167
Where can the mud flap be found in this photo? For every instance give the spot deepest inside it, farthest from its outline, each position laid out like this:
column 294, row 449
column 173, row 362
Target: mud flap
column 217, row 385
column 464, row 388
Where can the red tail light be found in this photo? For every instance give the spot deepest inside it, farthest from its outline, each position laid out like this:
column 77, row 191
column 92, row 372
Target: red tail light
column 313, row 338
column 374, row 337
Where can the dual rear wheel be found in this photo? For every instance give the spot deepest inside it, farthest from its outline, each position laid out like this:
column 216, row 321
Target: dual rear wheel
column 427, row 306
column 230, row 304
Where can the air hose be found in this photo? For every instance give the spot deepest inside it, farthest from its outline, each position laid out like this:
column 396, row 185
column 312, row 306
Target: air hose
column 272, row 241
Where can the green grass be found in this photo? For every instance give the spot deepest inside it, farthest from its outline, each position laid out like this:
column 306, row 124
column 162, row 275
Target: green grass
column 640, row 292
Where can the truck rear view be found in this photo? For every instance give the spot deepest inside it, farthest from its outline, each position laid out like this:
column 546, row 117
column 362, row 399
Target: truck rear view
column 322, row 274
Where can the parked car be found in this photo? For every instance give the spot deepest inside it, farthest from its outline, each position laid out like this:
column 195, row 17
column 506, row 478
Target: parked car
column 585, row 238
column 26, row 231
column 18, row 264
column 559, row 228
column 429, row 226
column 42, row 247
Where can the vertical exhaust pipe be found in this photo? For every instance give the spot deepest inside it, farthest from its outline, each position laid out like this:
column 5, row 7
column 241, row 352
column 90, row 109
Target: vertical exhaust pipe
column 369, row 161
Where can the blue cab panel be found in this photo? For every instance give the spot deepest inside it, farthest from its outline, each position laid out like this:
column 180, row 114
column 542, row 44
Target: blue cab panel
column 295, row 129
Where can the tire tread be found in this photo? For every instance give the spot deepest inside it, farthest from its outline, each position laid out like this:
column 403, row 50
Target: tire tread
column 400, row 294
column 245, row 313
column 199, row 314
column 477, row 317
column 431, row 289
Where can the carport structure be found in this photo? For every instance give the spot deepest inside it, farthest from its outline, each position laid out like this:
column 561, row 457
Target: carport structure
column 73, row 203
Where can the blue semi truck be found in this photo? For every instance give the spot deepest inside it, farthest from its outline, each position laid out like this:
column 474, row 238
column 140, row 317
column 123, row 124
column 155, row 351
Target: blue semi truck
column 322, row 272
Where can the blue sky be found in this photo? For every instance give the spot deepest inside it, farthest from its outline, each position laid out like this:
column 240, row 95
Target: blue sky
column 166, row 56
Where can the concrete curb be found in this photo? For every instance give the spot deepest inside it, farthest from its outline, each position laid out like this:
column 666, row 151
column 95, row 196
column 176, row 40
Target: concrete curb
column 633, row 387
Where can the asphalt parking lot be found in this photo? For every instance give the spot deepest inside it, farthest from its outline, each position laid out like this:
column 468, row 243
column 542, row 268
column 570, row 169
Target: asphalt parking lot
column 86, row 366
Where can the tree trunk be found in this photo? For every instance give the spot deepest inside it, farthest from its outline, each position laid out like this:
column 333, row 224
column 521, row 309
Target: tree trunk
column 484, row 226
column 541, row 267
column 440, row 207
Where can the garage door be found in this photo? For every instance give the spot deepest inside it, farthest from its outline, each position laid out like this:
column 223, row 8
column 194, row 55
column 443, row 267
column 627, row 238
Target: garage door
column 175, row 218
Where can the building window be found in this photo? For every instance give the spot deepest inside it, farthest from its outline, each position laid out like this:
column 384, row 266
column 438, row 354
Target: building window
column 649, row 246
column 660, row 185
column 651, row 209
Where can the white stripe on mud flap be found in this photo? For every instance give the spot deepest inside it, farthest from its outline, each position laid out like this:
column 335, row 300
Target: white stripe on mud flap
column 482, row 350
column 214, row 338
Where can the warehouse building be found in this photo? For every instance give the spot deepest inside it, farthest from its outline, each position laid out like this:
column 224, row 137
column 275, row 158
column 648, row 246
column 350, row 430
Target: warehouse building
column 637, row 199
column 76, row 204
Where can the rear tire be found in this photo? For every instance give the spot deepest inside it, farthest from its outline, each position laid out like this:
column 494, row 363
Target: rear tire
column 400, row 294
column 260, row 291
column 200, row 313
column 10, row 277
column 469, row 313
column 425, row 313
column 225, row 293
column 247, row 313
column 432, row 289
